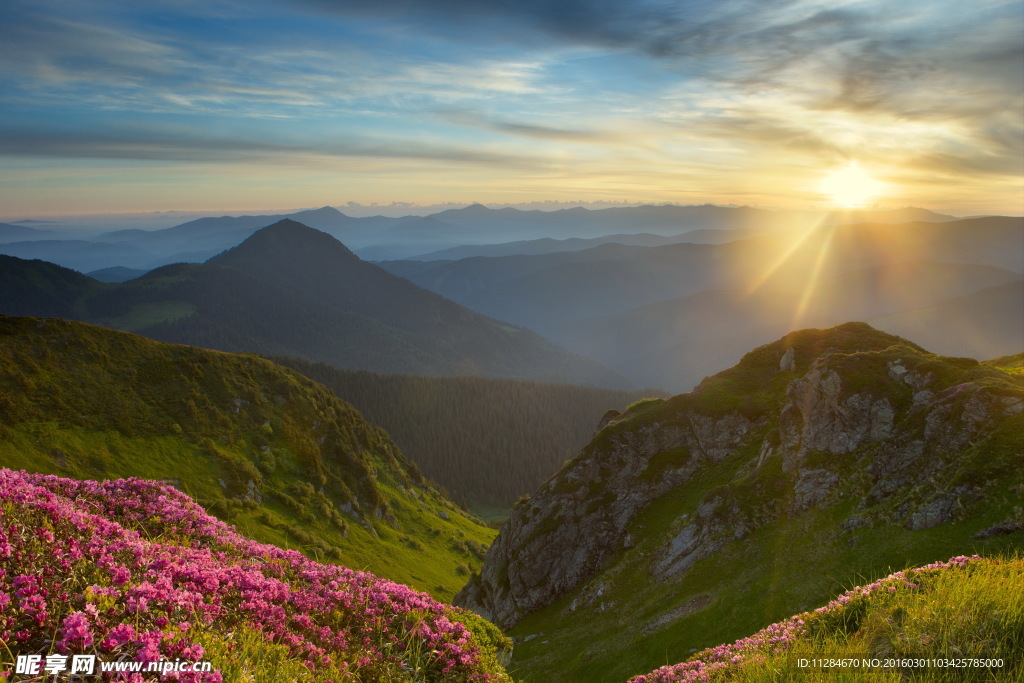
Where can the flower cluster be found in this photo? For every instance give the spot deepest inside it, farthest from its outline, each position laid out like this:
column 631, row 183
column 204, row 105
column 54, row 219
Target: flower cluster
column 134, row 570
column 779, row 636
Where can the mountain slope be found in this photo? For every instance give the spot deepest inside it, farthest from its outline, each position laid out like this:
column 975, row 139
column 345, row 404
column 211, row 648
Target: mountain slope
column 291, row 290
column 486, row 441
column 824, row 455
column 982, row 324
column 258, row 445
column 683, row 340
column 42, row 288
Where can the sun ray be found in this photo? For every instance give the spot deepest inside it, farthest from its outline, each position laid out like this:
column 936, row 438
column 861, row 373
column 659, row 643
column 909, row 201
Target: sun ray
column 786, row 255
column 812, row 281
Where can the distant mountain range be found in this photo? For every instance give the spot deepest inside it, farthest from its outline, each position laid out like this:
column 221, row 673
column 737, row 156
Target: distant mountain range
column 20, row 233
column 821, row 458
column 985, row 324
column 675, row 313
column 548, row 245
column 292, row 290
column 384, row 238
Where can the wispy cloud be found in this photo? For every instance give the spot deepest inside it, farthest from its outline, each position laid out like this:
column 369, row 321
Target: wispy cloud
column 181, row 145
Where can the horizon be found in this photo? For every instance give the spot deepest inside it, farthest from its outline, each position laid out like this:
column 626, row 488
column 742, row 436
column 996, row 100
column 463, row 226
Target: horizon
column 111, row 109
column 157, row 220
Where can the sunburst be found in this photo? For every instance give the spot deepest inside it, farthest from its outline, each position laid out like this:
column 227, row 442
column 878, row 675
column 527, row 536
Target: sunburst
column 850, row 187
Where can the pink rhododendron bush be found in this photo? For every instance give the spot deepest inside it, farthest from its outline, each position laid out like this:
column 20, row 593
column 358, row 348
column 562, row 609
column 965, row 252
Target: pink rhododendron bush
column 131, row 570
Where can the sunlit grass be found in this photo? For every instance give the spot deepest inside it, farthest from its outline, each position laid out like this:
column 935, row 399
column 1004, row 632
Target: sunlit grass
column 961, row 622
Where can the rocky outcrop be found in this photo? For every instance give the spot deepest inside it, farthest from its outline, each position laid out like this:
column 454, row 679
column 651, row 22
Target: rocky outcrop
column 555, row 540
column 819, row 415
column 819, row 418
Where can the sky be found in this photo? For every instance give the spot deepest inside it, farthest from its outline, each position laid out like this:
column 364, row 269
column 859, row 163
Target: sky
column 232, row 105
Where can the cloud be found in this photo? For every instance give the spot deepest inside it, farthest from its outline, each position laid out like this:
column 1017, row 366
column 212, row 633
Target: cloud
column 866, row 56
column 575, row 89
column 178, row 145
column 476, row 119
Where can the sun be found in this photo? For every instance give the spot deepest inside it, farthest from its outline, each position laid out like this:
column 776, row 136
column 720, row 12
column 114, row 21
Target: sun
column 850, row 187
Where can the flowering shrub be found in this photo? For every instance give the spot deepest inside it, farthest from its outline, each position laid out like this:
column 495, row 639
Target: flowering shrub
column 133, row 570
column 842, row 614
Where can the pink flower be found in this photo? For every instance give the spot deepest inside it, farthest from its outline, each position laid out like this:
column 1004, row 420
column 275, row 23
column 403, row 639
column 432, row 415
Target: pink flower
column 75, row 632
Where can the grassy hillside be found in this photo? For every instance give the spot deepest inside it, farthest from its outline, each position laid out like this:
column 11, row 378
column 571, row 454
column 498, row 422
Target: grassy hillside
column 961, row 620
column 820, row 459
column 258, row 445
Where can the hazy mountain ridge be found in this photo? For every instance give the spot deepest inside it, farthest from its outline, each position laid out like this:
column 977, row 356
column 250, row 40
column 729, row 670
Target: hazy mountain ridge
column 21, row 233
column 989, row 322
column 260, row 445
column 701, row 518
column 752, row 290
column 292, row 290
column 682, row 340
column 380, row 237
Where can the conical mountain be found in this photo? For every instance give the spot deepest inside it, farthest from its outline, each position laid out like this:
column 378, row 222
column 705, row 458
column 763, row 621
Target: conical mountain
column 294, row 291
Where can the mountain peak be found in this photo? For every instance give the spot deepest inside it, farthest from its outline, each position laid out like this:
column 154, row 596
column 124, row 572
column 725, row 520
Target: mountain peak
column 285, row 239
column 808, row 345
column 324, row 212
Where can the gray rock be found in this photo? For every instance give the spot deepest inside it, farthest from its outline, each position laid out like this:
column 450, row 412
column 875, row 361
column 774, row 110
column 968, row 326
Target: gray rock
column 252, row 492
column 932, row 514
column 1012, row 405
column 788, row 362
column 812, row 487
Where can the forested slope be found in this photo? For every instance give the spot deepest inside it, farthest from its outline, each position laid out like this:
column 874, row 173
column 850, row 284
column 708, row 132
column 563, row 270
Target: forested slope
column 487, row 441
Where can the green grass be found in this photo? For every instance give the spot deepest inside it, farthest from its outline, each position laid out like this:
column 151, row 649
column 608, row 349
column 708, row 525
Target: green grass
column 747, row 586
column 142, row 316
column 970, row 613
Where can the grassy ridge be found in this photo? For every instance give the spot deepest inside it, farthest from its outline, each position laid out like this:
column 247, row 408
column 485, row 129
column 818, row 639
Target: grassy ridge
column 257, row 445
column 961, row 620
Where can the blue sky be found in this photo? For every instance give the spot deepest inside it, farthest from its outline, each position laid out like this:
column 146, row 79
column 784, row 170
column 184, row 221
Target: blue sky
column 221, row 104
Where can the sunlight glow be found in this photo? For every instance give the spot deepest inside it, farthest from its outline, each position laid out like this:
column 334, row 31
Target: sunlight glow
column 811, row 288
column 850, row 187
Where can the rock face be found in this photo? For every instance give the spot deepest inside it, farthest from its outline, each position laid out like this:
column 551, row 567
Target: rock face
column 817, row 418
column 580, row 516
